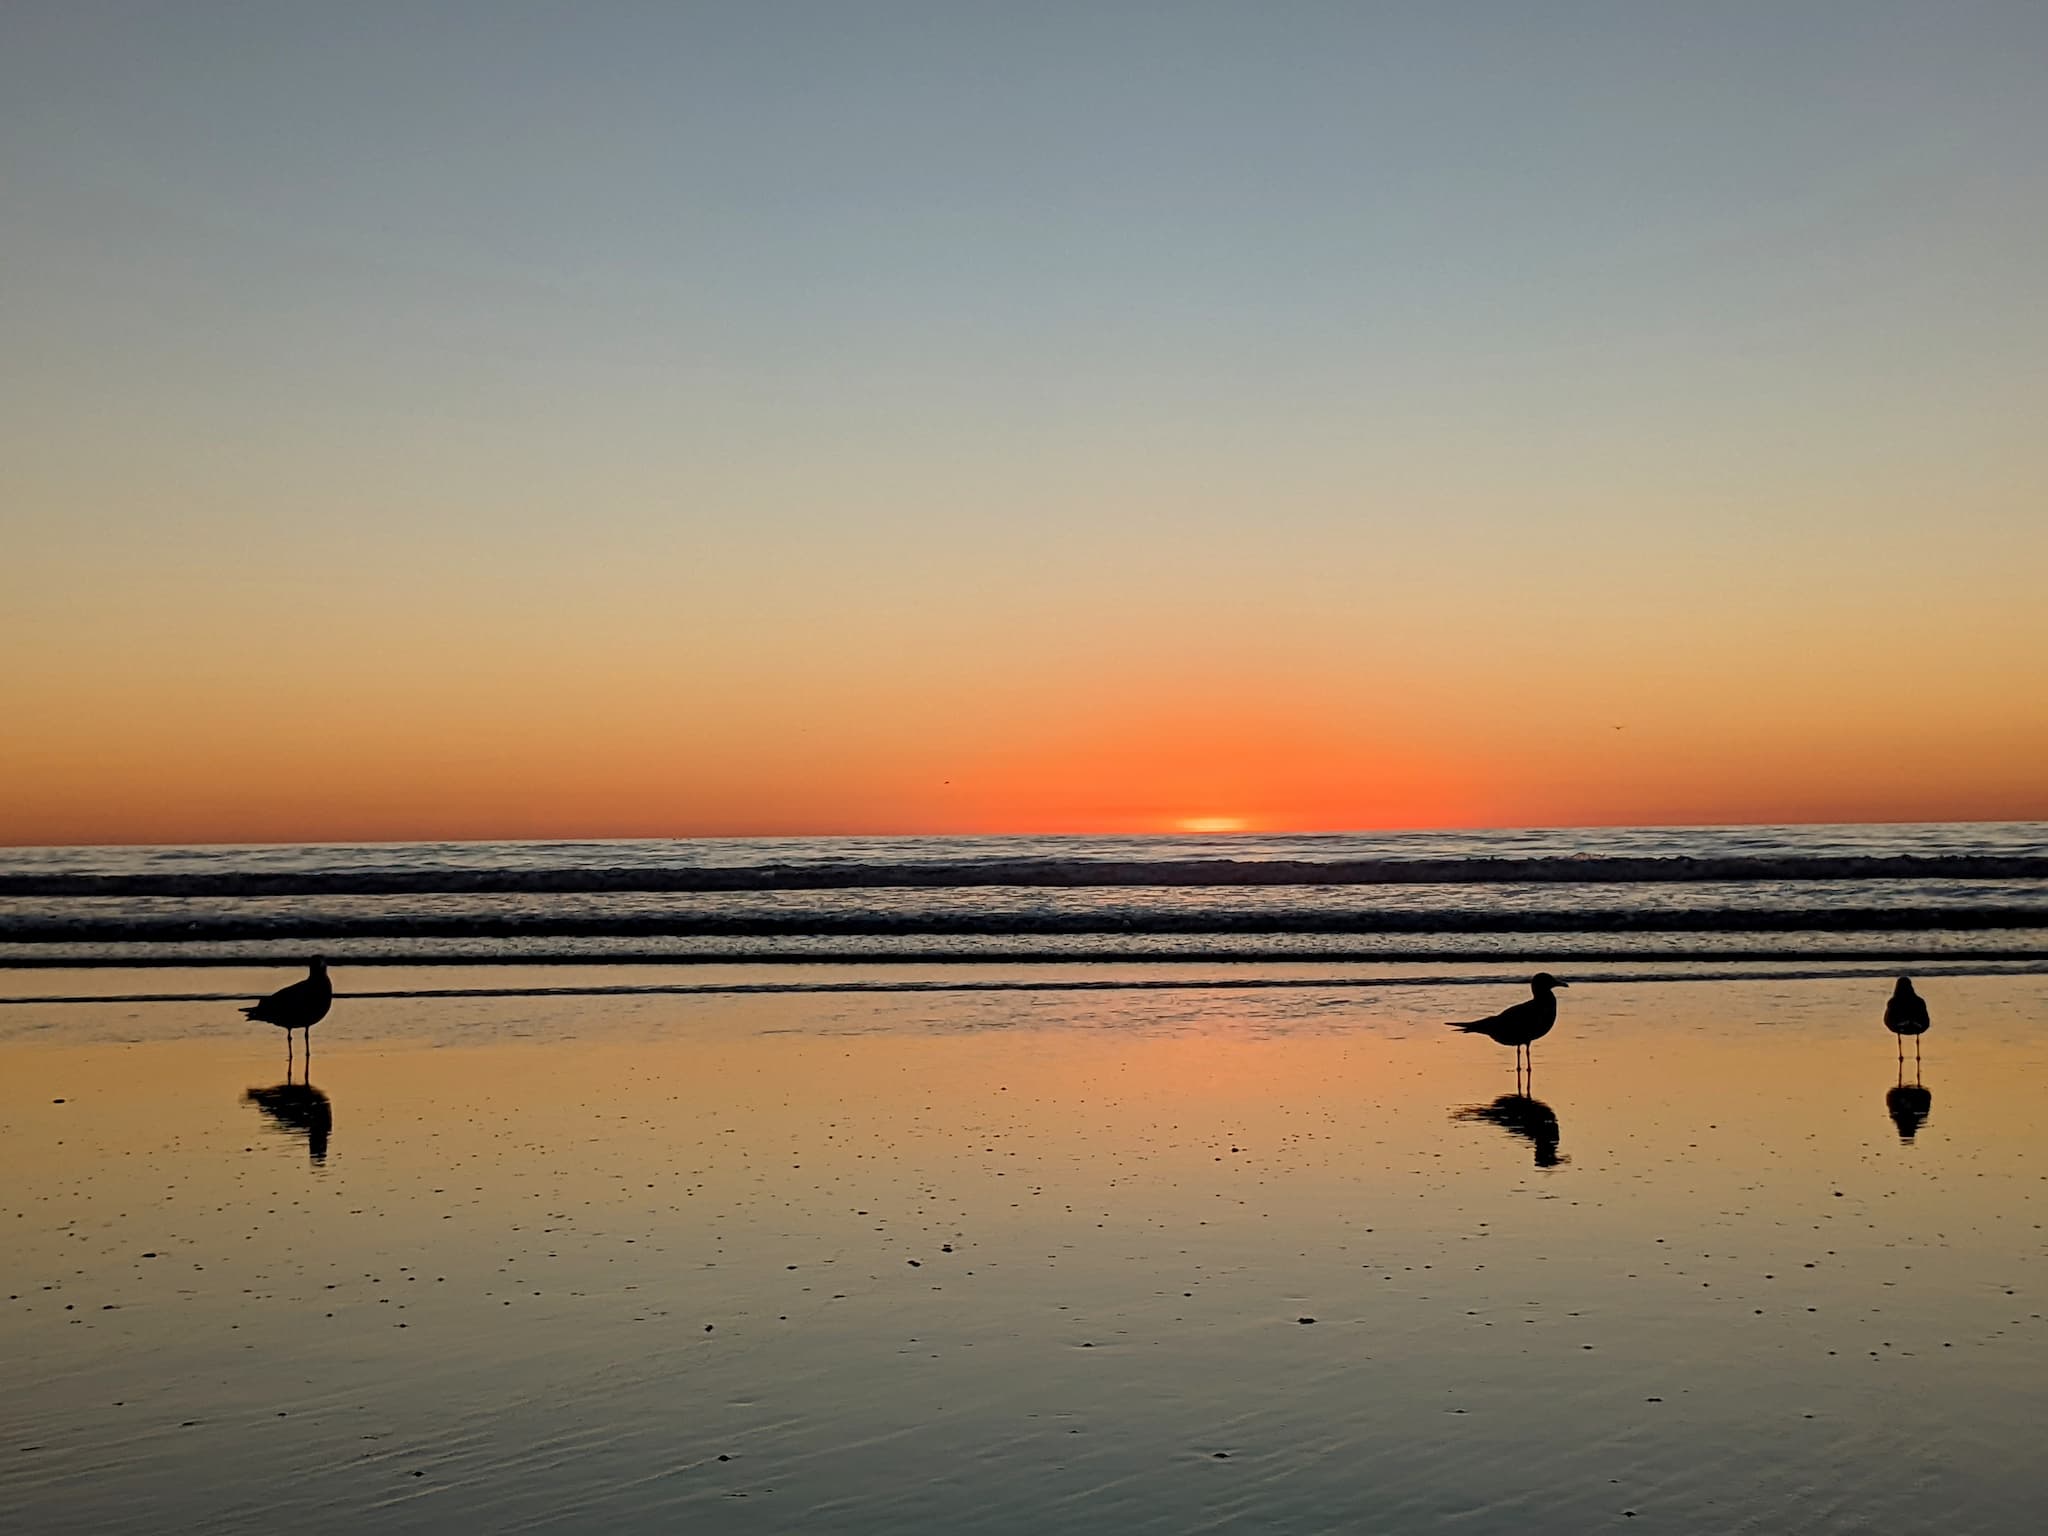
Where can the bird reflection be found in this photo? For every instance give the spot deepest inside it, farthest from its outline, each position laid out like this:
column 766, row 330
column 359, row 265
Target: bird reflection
column 1909, row 1104
column 1519, row 1115
column 298, row 1109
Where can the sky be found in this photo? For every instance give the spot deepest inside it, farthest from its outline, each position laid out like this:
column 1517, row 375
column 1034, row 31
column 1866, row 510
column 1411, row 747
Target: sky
column 500, row 420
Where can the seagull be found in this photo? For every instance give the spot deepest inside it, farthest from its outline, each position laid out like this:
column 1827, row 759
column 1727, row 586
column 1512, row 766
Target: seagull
column 1522, row 1024
column 1906, row 1014
column 298, row 1006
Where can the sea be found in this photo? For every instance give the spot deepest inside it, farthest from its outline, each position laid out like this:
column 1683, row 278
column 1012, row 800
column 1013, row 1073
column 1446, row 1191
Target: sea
column 1651, row 900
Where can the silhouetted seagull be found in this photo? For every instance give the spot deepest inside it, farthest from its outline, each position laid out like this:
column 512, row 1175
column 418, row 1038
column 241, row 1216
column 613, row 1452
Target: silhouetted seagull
column 1524, row 1023
column 1906, row 1014
column 298, row 1006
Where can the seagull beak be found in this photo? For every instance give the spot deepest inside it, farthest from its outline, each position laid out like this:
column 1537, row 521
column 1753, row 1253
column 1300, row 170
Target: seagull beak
column 1561, row 983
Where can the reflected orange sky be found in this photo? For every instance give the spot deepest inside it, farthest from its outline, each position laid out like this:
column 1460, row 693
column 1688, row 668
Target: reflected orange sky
column 801, row 1213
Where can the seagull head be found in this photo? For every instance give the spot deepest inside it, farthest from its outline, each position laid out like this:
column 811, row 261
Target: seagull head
column 318, row 966
column 1904, row 988
column 1543, row 981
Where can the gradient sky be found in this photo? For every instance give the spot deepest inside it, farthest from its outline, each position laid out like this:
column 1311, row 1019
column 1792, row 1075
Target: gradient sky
column 634, row 419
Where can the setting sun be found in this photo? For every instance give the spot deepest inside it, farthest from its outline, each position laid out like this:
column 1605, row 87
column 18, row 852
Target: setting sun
column 1213, row 824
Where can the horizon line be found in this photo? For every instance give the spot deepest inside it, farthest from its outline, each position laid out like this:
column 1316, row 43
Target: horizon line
column 1163, row 835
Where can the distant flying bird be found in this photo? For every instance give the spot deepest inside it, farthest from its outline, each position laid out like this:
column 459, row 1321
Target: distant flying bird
column 1905, row 1013
column 298, row 1006
column 1523, row 1024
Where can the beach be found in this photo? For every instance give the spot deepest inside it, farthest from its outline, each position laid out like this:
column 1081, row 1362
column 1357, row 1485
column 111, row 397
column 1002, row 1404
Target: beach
column 1023, row 771
column 1156, row 1259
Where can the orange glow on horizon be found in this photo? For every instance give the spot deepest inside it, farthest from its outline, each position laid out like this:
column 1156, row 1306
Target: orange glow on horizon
column 1214, row 824
column 564, row 748
column 397, row 780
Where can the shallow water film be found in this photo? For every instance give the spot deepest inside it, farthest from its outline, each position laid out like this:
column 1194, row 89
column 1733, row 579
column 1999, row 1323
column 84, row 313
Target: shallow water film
column 1146, row 1261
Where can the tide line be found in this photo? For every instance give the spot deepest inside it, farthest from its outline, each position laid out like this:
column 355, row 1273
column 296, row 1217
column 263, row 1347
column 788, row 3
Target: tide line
column 1119, row 984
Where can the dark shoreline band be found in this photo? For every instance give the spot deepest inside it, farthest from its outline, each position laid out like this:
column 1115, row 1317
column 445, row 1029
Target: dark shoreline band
column 1301, row 920
column 1061, row 984
column 175, row 956
column 1038, row 873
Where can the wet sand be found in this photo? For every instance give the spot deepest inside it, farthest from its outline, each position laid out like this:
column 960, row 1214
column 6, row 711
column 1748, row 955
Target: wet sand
column 1024, row 1262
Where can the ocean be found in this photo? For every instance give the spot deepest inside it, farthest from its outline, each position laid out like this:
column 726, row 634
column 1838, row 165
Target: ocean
column 1691, row 899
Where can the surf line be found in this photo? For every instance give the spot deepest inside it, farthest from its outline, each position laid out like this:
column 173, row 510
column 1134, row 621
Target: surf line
column 1145, row 984
column 26, row 957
